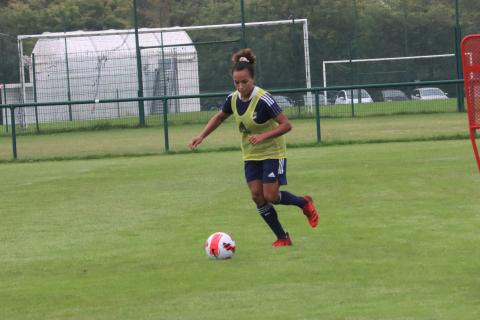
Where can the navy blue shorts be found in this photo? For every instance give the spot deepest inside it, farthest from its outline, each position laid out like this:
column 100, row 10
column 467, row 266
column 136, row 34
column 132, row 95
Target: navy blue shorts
column 268, row 171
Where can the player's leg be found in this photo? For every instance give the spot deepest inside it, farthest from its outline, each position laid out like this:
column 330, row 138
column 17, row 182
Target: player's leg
column 266, row 210
column 253, row 174
column 275, row 175
column 270, row 193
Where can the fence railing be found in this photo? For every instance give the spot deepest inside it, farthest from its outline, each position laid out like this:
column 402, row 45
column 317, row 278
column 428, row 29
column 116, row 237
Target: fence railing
column 314, row 100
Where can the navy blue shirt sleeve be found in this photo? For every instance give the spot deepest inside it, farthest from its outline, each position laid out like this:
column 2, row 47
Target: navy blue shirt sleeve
column 274, row 109
column 267, row 109
column 227, row 105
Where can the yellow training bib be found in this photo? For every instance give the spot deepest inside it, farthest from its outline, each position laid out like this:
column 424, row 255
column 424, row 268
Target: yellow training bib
column 274, row 148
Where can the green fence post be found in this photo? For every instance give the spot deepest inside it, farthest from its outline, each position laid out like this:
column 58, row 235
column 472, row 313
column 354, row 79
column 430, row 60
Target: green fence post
column 164, row 74
column 352, row 104
column 460, row 93
column 14, row 133
column 118, row 105
column 165, row 124
column 35, row 91
column 2, row 118
column 69, row 94
column 5, row 99
column 352, row 81
column 458, row 60
column 242, row 10
column 141, row 107
column 353, row 53
column 317, row 116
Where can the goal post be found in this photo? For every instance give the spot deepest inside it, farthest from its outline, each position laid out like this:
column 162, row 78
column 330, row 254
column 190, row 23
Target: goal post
column 470, row 48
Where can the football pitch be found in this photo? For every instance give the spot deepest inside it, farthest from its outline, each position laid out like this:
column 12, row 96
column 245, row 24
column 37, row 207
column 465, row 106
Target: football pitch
column 122, row 238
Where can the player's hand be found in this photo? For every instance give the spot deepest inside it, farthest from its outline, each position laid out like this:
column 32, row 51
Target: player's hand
column 195, row 142
column 256, row 138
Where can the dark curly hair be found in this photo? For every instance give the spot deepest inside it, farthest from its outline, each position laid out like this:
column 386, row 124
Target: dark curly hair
column 244, row 59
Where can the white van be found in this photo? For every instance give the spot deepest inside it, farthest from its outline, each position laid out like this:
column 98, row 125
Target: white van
column 344, row 96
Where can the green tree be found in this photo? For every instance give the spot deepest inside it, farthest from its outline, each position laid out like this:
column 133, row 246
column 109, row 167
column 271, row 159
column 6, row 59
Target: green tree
column 168, row 13
column 37, row 16
column 378, row 28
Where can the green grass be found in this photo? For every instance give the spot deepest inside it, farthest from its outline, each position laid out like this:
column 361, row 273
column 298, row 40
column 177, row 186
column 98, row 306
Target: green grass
column 122, row 238
column 138, row 141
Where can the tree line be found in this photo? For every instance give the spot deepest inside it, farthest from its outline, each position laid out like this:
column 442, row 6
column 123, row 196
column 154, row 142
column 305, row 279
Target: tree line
column 338, row 29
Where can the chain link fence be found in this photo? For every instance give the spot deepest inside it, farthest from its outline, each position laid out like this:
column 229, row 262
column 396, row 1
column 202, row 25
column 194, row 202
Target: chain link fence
column 322, row 123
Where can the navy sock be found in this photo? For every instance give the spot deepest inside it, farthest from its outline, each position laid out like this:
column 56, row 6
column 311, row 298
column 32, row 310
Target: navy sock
column 268, row 213
column 287, row 198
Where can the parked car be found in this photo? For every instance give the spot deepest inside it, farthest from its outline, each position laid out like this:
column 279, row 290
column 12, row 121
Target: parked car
column 344, row 96
column 394, row 95
column 331, row 96
column 283, row 102
column 431, row 93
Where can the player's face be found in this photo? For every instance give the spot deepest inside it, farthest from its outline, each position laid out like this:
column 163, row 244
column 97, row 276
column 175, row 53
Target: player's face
column 243, row 82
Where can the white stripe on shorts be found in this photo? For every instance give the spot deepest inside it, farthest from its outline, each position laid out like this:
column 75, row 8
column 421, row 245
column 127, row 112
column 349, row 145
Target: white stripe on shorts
column 280, row 165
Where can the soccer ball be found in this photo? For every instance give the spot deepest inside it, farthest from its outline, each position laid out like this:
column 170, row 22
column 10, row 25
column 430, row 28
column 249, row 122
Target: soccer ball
column 220, row 246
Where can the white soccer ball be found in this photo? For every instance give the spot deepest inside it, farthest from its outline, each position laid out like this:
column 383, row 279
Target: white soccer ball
column 220, row 246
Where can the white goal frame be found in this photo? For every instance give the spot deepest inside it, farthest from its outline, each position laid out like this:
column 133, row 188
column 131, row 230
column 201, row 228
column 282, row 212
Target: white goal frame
column 303, row 22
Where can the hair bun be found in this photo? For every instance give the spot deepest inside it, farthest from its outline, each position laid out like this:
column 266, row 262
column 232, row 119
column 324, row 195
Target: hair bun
column 244, row 55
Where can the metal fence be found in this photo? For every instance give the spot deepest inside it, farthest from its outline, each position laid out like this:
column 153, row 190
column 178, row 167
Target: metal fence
column 177, row 128
column 122, row 111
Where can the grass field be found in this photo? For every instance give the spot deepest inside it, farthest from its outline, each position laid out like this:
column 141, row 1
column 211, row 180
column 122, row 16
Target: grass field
column 122, row 238
column 151, row 140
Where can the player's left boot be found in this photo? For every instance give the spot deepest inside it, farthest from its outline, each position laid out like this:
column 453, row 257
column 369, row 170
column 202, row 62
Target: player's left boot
column 283, row 242
column 310, row 212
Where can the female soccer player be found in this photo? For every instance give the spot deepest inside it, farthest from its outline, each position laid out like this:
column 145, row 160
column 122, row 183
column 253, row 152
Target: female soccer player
column 262, row 126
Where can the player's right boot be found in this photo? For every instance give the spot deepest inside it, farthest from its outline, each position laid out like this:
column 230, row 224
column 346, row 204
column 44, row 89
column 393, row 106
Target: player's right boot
column 283, row 242
column 310, row 212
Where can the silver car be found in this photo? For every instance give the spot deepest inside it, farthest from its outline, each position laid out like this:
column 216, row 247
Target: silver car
column 344, row 96
column 431, row 93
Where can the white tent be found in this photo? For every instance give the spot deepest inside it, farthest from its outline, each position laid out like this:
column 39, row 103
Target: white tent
column 102, row 65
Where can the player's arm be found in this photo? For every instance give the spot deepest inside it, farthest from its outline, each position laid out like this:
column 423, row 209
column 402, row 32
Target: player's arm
column 283, row 127
column 212, row 124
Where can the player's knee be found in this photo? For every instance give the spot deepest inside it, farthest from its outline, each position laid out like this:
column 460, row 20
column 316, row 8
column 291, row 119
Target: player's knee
column 271, row 197
column 258, row 198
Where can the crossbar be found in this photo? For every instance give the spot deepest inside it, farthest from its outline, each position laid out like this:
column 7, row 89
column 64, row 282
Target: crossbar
column 391, row 58
column 153, row 30
column 191, row 44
